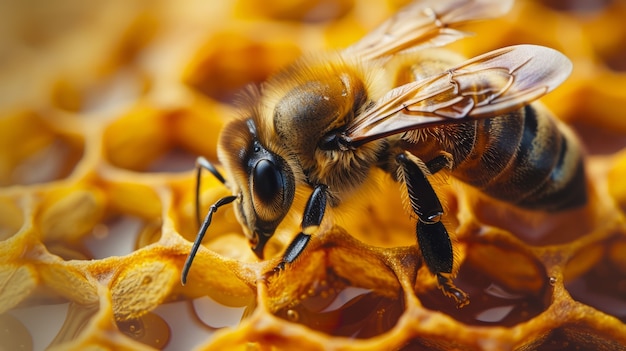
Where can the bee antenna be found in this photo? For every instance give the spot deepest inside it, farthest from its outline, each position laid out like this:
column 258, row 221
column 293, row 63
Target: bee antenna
column 203, row 163
column 205, row 225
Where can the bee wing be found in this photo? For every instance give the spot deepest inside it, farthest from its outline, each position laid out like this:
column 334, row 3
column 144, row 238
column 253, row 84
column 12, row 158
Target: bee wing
column 488, row 85
column 425, row 23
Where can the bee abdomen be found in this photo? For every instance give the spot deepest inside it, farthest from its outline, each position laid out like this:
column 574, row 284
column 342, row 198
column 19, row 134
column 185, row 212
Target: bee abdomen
column 525, row 159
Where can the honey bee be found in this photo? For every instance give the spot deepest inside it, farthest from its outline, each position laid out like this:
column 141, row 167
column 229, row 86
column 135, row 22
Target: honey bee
column 395, row 101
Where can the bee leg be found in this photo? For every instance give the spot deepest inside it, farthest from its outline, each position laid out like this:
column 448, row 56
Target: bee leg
column 311, row 220
column 203, row 163
column 201, row 232
column 438, row 163
column 432, row 236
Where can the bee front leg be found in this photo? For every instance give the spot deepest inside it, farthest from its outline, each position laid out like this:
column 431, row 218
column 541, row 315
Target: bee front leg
column 432, row 236
column 311, row 220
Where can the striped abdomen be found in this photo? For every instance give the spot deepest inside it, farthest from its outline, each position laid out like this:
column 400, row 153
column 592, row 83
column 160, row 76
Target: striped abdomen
column 523, row 158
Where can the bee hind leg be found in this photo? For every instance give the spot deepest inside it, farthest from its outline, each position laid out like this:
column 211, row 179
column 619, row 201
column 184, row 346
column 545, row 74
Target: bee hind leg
column 311, row 220
column 432, row 236
column 438, row 163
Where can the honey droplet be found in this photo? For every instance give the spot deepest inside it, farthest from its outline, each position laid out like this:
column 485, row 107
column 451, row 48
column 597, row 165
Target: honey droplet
column 149, row 329
column 133, row 328
column 292, row 316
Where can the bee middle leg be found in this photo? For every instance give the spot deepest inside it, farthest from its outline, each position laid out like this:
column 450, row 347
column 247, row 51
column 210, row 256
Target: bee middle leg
column 311, row 220
column 432, row 236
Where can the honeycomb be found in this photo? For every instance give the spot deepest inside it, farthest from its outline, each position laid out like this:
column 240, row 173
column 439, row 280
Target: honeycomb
column 105, row 106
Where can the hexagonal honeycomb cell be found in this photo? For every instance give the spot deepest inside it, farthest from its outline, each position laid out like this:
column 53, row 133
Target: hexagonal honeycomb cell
column 104, row 108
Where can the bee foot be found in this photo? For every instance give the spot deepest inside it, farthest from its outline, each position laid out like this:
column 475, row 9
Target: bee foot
column 450, row 290
column 277, row 269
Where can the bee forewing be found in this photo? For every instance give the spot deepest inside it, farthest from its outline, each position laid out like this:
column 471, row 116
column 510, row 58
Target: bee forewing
column 531, row 71
column 488, row 85
column 423, row 24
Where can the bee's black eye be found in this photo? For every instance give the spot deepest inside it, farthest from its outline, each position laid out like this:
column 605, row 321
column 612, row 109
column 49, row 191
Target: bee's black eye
column 267, row 183
column 271, row 186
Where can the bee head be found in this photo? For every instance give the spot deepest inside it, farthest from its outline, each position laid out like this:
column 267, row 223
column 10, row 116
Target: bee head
column 260, row 177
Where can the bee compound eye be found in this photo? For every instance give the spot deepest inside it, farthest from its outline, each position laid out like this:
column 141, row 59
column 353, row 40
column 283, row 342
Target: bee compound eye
column 268, row 186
